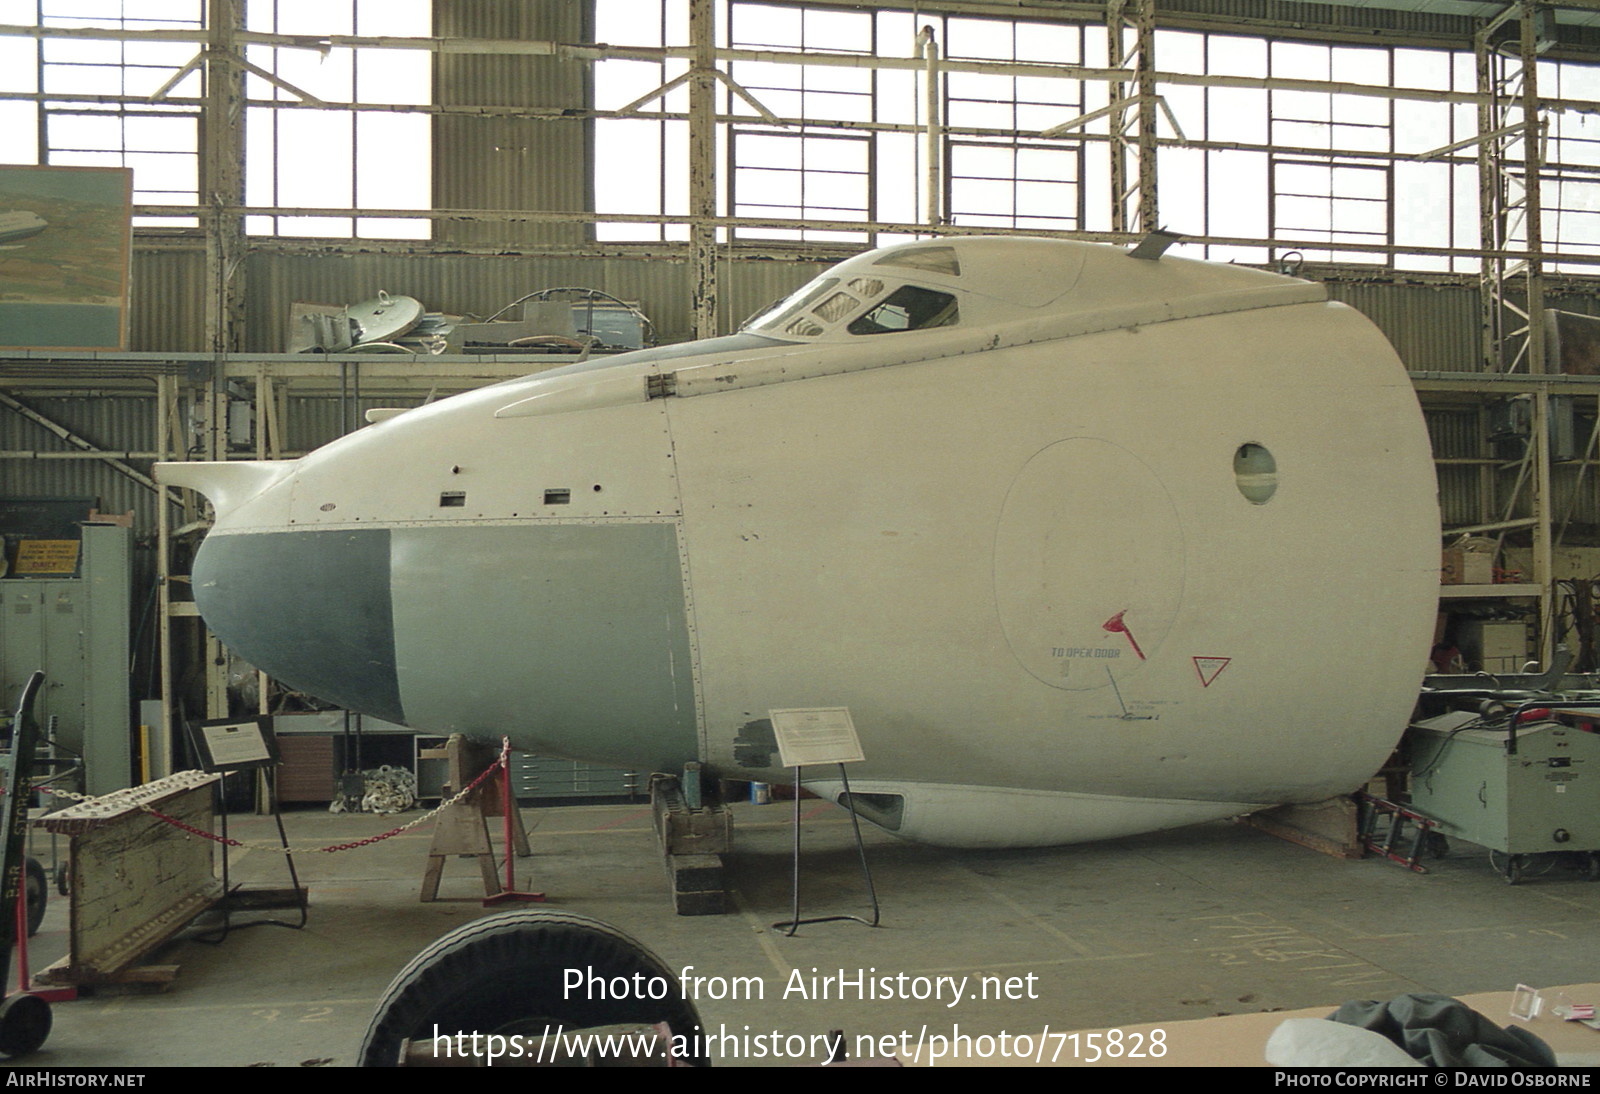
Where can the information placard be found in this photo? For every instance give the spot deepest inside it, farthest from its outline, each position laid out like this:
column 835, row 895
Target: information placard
column 816, row 735
column 235, row 744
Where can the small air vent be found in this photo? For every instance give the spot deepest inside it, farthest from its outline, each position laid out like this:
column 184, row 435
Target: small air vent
column 558, row 497
column 453, row 499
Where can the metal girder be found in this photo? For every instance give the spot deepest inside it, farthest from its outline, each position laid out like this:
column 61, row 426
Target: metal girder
column 222, row 175
column 1133, row 157
column 112, row 459
column 703, row 165
column 933, row 187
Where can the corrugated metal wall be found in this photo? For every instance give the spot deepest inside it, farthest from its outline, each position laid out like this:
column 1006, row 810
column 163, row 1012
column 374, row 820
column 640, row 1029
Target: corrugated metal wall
column 168, row 300
column 512, row 163
column 1434, row 328
column 1455, row 435
column 113, row 422
column 1340, row 16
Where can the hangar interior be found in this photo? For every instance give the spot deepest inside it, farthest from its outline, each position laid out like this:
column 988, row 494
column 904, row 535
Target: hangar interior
column 663, row 170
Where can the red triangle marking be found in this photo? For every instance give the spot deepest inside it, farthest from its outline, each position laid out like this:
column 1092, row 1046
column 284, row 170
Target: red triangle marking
column 1209, row 668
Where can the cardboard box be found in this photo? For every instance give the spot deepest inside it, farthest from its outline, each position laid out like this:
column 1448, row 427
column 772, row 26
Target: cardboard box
column 1458, row 567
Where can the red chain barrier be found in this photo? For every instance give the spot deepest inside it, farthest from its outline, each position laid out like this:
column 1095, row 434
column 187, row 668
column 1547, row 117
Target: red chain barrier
column 189, row 828
column 501, row 761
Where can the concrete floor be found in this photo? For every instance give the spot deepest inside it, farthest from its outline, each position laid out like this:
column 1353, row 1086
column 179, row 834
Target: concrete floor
column 1214, row 919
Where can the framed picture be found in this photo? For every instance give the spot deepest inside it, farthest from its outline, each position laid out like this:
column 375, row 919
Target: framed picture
column 65, row 242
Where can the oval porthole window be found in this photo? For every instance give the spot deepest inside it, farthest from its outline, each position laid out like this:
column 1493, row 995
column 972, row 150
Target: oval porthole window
column 1256, row 473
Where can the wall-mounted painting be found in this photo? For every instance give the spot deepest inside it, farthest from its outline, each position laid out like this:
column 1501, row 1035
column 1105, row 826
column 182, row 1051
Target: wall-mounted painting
column 65, row 240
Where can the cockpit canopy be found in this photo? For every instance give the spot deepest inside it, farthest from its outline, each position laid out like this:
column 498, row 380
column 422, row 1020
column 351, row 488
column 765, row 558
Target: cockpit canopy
column 978, row 281
column 872, row 296
column 965, row 281
column 859, row 305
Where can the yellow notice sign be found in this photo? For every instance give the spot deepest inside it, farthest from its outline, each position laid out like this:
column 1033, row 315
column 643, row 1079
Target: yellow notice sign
column 47, row 556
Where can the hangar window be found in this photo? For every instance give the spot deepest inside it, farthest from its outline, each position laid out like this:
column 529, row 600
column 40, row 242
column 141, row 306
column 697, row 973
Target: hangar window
column 327, row 127
column 1000, row 174
column 908, row 308
column 1022, row 185
column 802, row 177
column 1376, row 164
column 1572, row 185
column 110, row 101
column 342, row 157
column 815, row 147
column 1315, row 200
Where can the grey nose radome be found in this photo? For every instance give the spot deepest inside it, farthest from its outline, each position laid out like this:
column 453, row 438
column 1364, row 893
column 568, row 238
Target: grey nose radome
column 309, row 608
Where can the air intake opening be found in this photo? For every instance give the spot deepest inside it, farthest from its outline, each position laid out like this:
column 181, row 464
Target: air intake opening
column 884, row 810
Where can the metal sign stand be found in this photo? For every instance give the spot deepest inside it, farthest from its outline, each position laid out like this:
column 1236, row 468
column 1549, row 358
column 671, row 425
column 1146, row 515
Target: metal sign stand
column 821, row 735
column 226, row 746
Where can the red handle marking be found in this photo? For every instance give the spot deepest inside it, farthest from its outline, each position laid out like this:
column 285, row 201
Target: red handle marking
column 1116, row 626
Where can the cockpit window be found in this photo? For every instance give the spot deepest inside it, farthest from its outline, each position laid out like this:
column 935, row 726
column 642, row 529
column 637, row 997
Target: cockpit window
column 880, row 306
column 836, row 307
column 908, row 308
column 939, row 260
column 775, row 317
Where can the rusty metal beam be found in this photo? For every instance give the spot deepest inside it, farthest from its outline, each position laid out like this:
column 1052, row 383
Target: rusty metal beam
column 702, row 165
column 50, row 425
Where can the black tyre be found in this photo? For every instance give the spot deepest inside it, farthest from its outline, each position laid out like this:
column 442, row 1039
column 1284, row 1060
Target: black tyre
column 507, row 973
column 1510, row 867
column 24, row 1024
column 38, row 887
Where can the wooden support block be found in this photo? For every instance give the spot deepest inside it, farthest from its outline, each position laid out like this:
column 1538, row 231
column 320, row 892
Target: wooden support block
column 695, row 873
column 685, row 831
column 692, row 844
column 134, row 980
column 462, row 830
column 1326, row 826
column 712, row 903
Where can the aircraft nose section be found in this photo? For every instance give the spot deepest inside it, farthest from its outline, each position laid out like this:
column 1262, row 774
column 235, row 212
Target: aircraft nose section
column 310, row 608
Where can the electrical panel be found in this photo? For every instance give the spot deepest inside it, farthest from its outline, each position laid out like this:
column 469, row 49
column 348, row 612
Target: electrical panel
column 73, row 623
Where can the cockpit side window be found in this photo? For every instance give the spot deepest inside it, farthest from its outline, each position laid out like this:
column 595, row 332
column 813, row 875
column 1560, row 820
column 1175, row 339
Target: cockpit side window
column 836, row 307
column 909, row 307
column 934, row 259
column 793, row 305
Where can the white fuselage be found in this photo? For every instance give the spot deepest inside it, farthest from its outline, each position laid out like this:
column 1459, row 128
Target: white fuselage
column 1020, row 546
